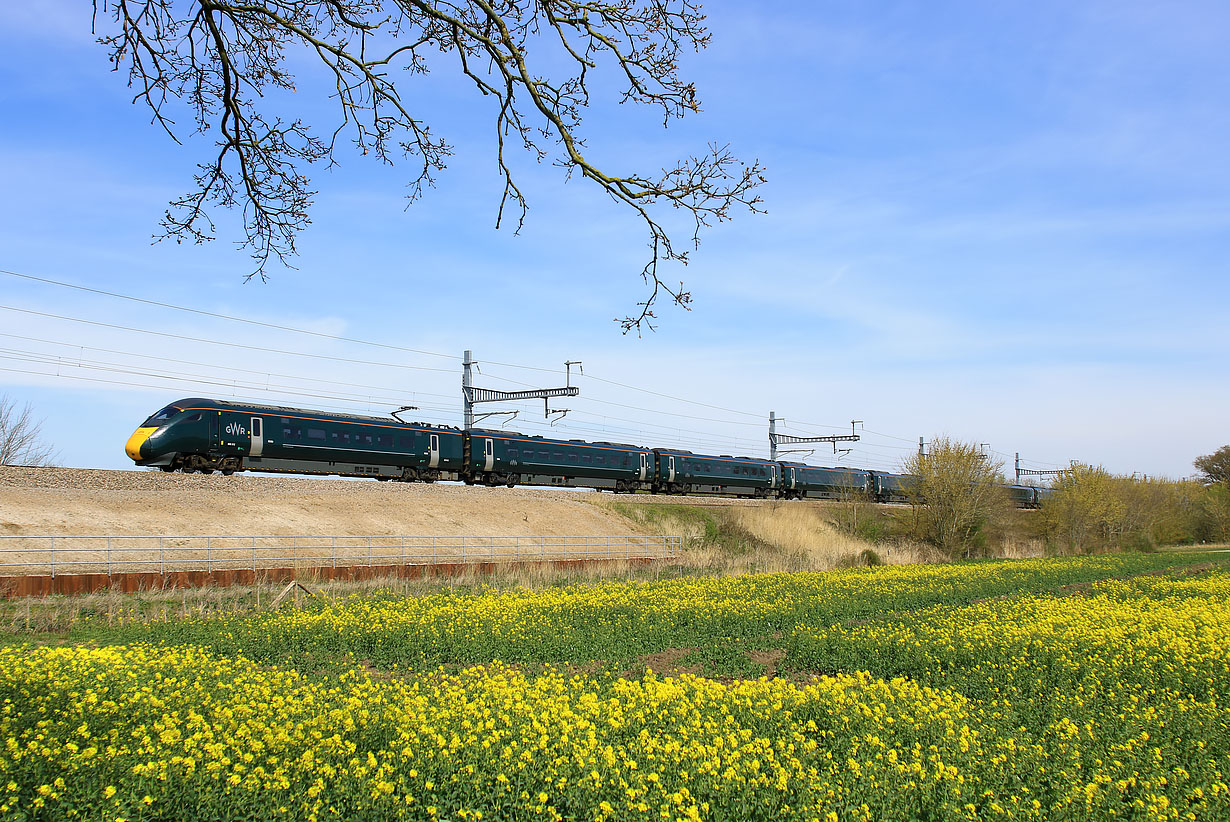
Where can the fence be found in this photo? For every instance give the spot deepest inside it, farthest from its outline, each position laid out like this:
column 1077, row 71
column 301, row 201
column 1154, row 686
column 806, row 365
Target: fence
column 124, row 554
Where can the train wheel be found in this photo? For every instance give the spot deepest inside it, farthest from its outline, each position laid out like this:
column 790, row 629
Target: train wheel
column 167, row 468
column 226, row 472
column 207, row 470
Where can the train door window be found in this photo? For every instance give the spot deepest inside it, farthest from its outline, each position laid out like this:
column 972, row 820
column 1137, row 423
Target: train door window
column 488, row 447
column 256, row 427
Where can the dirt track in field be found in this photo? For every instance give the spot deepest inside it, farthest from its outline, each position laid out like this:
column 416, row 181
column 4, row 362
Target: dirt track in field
column 73, row 502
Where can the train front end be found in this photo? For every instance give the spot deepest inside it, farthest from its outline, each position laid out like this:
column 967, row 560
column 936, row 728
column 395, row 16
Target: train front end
column 165, row 436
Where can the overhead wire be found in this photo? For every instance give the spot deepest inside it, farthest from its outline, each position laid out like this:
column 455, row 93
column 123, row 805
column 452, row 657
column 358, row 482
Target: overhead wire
column 208, row 365
column 226, row 316
column 131, row 384
column 704, row 436
column 292, row 329
column 198, row 379
column 265, row 349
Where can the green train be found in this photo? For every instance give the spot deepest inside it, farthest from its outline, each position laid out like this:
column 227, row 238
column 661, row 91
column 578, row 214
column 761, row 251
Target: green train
column 203, row 435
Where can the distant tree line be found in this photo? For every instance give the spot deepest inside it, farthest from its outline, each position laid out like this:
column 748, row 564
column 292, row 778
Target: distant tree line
column 960, row 506
column 1093, row 509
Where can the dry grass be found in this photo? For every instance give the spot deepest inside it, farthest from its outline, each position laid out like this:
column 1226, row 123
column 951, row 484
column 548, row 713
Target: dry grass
column 805, row 531
column 767, row 537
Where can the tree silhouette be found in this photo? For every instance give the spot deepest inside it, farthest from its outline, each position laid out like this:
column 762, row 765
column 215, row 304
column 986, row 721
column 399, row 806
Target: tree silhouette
column 226, row 60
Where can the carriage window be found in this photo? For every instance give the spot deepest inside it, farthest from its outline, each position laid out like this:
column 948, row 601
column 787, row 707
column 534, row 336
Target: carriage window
column 546, row 455
column 599, row 459
column 367, row 438
column 512, row 453
column 194, row 418
column 316, row 434
column 585, row 458
column 333, row 435
column 559, row 455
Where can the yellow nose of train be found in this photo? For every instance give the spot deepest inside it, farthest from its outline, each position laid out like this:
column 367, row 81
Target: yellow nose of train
column 138, row 438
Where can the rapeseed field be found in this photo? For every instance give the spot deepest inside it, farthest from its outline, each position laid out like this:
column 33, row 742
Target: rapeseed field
column 1048, row 689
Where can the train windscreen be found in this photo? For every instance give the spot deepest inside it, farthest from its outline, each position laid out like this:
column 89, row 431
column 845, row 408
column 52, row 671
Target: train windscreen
column 157, row 420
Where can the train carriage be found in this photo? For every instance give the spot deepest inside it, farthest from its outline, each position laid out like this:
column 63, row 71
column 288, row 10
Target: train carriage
column 683, row 472
column 506, row 458
column 800, row 480
column 886, row 487
column 1026, row 496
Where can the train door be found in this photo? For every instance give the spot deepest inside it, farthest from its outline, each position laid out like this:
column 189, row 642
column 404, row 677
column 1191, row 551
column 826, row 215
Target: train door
column 670, row 469
column 258, row 437
column 773, row 476
column 644, row 466
column 488, row 454
column 793, row 481
column 215, row 429
column 434, row 451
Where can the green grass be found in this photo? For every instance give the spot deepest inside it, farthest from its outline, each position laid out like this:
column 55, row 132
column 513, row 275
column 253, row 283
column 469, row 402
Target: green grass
column 1070, row 688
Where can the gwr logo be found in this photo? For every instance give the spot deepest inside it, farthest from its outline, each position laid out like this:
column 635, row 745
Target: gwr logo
column 236, row 429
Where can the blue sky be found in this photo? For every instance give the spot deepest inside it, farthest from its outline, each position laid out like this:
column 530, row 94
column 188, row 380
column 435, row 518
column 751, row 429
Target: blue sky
column 1008, row 223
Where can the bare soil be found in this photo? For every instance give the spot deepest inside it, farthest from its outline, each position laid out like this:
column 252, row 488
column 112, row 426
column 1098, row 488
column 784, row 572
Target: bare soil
column 77, row 502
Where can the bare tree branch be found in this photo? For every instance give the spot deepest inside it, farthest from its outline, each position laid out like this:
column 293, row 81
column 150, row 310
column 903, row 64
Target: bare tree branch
column 21, row 436
column 223, row 59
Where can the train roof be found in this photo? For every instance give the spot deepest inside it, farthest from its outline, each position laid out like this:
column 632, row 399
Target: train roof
column 286, row 410
column 538, row 437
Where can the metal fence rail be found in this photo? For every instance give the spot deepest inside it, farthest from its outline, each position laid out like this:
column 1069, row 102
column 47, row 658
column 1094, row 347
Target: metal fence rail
column 122, row 554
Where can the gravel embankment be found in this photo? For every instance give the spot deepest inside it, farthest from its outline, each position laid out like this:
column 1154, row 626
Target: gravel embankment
column 246, row 485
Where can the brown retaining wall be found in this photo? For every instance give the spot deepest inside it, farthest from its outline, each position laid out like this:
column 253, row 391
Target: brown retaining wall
column 132, row 582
